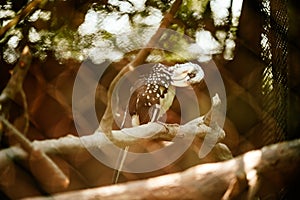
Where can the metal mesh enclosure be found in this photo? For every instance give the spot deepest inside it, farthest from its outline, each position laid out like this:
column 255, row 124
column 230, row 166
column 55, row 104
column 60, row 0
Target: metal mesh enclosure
column 274, row 53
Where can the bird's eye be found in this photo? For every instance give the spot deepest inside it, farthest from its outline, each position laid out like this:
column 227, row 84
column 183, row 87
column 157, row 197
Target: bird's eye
column 191, row 75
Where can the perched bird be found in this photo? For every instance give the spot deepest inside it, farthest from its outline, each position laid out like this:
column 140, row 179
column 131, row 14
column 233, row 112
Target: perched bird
column 151, row 99
column 155, row 96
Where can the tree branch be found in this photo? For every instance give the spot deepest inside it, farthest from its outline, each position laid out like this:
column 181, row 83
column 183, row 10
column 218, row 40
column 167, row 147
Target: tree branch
column 124, row 137
column 30, row 7
column 67, row 146
column 36, row 156
column 233, row 179
column 15, row 83
column 199, row 126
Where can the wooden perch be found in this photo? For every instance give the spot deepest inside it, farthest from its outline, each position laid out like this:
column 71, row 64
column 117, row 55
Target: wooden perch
column 244, row 177
column 124, row 137
column 160, row 131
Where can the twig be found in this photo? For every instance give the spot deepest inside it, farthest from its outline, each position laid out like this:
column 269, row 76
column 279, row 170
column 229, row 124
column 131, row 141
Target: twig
column 107, row 119
column 25, row 143
column 15, row 83
column 21, row 15
column 26, row 114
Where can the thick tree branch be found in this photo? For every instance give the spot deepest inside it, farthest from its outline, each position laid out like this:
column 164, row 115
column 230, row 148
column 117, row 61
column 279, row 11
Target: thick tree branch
column 238, row 178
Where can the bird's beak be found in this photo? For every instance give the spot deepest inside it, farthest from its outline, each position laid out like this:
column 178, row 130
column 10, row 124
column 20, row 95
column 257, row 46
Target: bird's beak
column 180, row 76
column 180, row 83
column 180, row 80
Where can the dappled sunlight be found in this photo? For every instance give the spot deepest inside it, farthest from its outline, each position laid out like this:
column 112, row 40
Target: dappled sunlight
column 162, row 181
column 116, row 99
column 252, row 159
column 129, row 16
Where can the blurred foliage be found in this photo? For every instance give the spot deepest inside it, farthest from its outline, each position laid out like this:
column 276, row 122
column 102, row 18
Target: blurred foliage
column 108, row 30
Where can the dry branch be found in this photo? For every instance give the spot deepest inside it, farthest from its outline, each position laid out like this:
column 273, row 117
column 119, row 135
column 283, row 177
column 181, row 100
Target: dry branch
column 199, row 126
column 238, row 178
column 29, row 8
column 36, row 156
column 71, row 144
column 156, row 130
column 67, row 146
column 15, row 83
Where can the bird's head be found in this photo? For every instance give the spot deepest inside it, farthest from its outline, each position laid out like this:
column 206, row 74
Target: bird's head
column 187, row 74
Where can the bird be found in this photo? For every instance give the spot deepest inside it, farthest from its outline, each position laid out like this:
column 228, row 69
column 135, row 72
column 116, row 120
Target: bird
column 155, row 93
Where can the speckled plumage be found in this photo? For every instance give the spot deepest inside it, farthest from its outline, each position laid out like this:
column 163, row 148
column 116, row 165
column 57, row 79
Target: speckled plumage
column 155, row 96
column 147, row 97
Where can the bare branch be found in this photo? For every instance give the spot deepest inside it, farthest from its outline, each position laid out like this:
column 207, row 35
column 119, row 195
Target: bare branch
column 37, row 157
column 129, row 136
column 21, row 15
column 199, row 126
column 15, row 83
column 41, row 165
